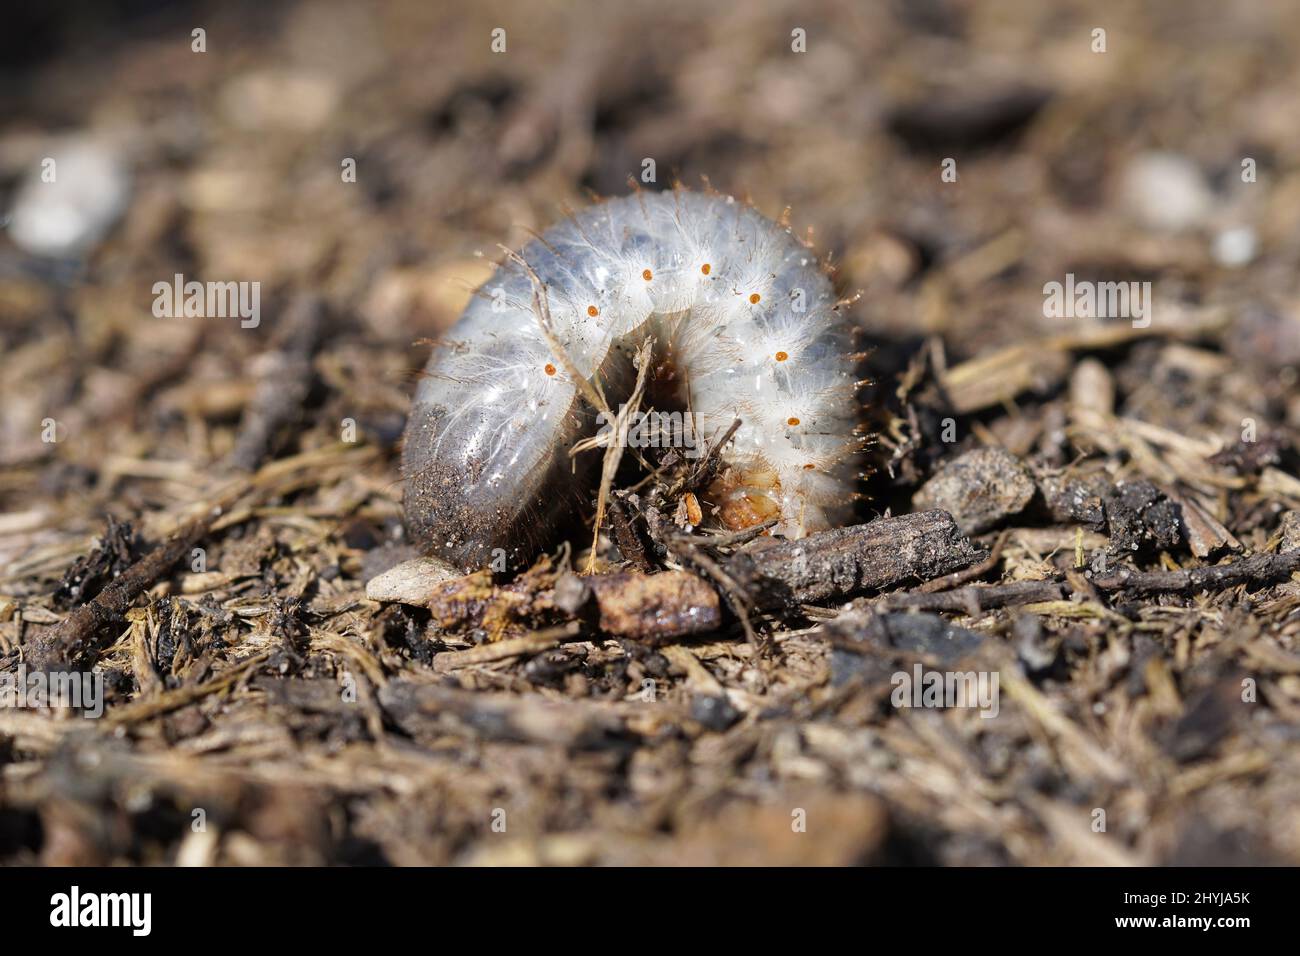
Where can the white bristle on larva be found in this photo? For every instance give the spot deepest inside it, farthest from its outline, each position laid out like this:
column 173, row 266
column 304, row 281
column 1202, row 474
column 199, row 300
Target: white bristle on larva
column 740, row 305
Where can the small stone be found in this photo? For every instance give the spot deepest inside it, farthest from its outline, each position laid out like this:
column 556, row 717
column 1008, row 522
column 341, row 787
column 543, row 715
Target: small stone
column 1234, row 248
column 71, row 199
column 978, row 489
column 714, row 711
column 1166, row 191
column 1290, row 528
column 571, row 593
column 411, row 582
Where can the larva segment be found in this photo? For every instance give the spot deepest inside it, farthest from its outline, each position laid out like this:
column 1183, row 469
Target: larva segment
column 748, row 319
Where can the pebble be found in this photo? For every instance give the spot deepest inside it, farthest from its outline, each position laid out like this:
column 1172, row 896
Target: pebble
column 411, row 582
column 1290, row 528
column 978, row 489
column 1166, row 191
column 1235, row 247
column 715, row 712
column 68, row 216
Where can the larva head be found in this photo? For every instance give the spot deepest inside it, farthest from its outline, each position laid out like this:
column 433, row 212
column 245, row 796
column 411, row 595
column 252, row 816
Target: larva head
column 746, row 496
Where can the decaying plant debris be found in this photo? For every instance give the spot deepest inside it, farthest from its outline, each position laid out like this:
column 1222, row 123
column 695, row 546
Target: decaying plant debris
column 1105, row 516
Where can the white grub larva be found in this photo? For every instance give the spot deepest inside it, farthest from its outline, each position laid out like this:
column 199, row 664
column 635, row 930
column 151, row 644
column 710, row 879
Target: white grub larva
column 733, row 302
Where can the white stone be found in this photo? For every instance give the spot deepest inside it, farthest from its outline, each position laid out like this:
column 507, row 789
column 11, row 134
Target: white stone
column 411, row 582
column 68, row 216
column 1235, row 247
column 1166, row 191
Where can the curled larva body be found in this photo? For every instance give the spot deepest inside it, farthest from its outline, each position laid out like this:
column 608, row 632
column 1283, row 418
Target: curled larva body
column 741, row 308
